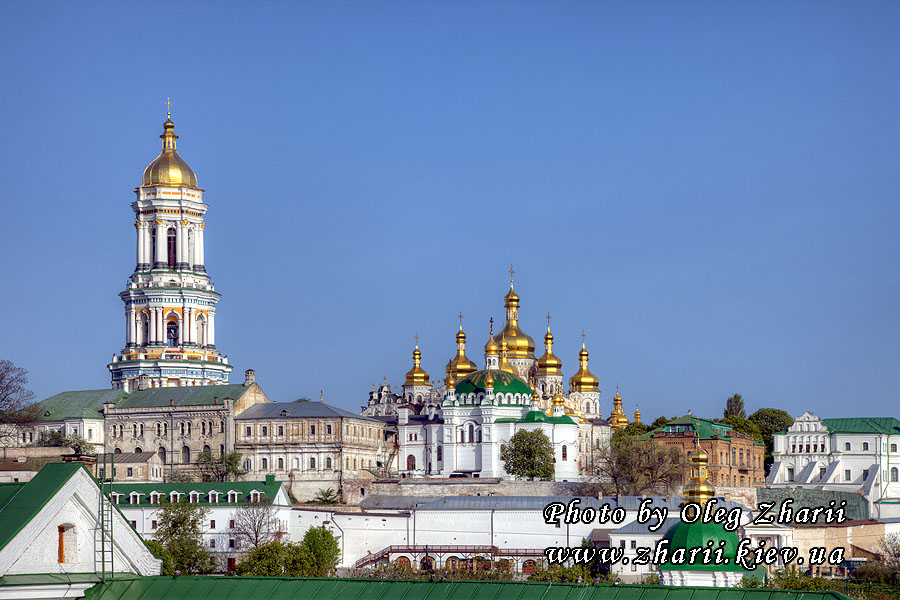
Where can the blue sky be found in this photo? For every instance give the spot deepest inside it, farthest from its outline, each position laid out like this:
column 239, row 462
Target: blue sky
column 709, row 190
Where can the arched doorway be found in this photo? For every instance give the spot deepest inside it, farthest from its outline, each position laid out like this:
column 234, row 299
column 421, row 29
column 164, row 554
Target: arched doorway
column 410, row 463
column 402, row 561
column 185, row 455
column 162, row 454
column 427, row 563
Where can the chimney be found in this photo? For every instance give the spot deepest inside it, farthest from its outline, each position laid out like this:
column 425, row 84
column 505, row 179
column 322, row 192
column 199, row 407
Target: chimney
column 171, row 402
column 215, row 399
column 143, row 382
column 249, row 377
column 403, row 416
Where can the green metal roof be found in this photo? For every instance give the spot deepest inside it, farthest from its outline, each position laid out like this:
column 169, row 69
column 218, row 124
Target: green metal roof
column 886, row 425
column 276, row 588
column 504, row 383
column 79, row 404
column 269, row 487
column 706, row 428
column 538, row 416
column 697, row 535
column 20, row 504
column 184, row 396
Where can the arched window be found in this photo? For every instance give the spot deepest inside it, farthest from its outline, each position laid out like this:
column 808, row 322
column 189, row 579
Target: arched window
column 402, row 561
column 280, row 464
column 138, row 450
column 894, row 474
column 172, row 333
column 328, row 462
column 427, row 563
column 158, row 429
column 471, row 433
column 410, row 463
column 201, row 330
column 189, row 428
column 172, row 240
column 161, row 451
column 68, row 543
column 202, row 427
column 134, row 430
column 312, row 462
column 265, row 464
column 440, row 453
column 182, row 429
column 565, row 453
column 221, row 449
column 221, row 426
column 117, row 451
column 185, row 455
column 145, row 329
column 207, row 449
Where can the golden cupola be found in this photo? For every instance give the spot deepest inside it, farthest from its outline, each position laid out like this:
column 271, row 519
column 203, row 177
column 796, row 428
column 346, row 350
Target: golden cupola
column 504, row 358
column 617, row 417
column 169, row 168
column 637, row 414
column 549, row 364
column 583, row 380
column 699, row 490
column 492, row 348
column 460, row 365
column 417, row 376
column 521, row 345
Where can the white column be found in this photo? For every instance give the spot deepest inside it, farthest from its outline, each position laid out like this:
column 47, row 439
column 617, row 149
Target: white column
column 181, row 331
column 139, row 258
column 180, row 246
column 130, row 326
column 211, row 328
column 199, row 257
column 186, row 324
column 148, row 249
column 162, row 241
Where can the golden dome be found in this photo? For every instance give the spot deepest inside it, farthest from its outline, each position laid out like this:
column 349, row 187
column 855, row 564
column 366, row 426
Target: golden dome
column 699, row 490
column 460, row 365
column 417, row 375
column 637, row 414
column 492, row 347
column 169, row 168
column 558, row 399
column 521, row 345
column 617, row 416
column 549, row 363
column 504, row 358
column 583, row 380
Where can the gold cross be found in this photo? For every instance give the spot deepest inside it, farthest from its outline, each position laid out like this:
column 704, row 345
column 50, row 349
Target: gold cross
column 582, row 337
column 548, row 320
column 492, row 326
column 417, row 339
column 169, row 107
column 511, row 273
column 460, row 319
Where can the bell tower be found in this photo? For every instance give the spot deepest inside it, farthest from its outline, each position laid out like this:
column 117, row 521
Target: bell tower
column 170, row 302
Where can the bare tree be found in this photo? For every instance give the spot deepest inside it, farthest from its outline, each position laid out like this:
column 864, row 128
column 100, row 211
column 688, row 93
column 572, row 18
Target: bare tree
column 16, row 408
column 631, row 466
column 255, row 524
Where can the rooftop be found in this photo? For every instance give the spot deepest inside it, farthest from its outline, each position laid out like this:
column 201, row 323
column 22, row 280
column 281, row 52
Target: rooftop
column 886, row 425
column 184, row 396
column 269, row 487
column 78, row 404
column 299, row 410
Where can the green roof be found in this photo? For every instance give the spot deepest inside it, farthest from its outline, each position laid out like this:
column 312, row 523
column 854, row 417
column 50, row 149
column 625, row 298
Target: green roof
column 80, row 404
column 282, row 588
column 184, row 396
column 886, row 425
column 504, row 383
column 269, row 487
column 706, row 428
column 697, row 535
column 538, row 416
column 21, row 502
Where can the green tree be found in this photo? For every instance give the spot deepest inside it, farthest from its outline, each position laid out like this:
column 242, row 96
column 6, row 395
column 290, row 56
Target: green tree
column 77, row 443
column 744, row 426
column 734, row 407
column 168, row 566
column 324, row 551
column 180, row 533
column 220, row 467
column 326, row 496
column 634, row 429
column 660, row 421
column 770, row 421
column 528, row 454
column 178, row 476
column 276, row 559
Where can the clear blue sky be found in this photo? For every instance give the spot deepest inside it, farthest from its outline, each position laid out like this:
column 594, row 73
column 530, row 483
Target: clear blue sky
column 709, row 190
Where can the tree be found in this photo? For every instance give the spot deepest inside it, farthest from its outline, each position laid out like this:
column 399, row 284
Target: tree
column 326, row 496
column 178, row 476
column 632, row 466
column 324, row 551
column 156, row 548
column 276, row 559
column 255, row 524
column 180, row 533
column 660, row 421
column 744, row 426
column 77, row 443
column 734, row 407
column 770, row 421
column 16, row 408
column 634, row 429
column 219, row 467
column 528, row 454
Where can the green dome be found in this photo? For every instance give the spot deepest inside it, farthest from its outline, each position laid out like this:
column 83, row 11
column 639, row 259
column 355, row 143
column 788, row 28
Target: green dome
column 504, row 383
column 698, row 535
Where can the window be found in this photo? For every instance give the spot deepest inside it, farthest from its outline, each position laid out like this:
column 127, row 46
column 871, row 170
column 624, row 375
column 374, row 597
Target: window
column 280, row 464
column 312, row 430
column 865, row 474
column 565, row 453
column 185, row 455
column 893, row 447
column 847, row 446
column 865, row 446
column 328, row 432
column 265, row 431
column 212, row 542
column 129, row 472
column 153, row 524
column 247, row 465
column 232, row 499
column 821, row 473
column 172, row 334
column 847, row 475
column 634, row 543
column 154, row 498
column 194, row 498
column 90, row 434
column 212, row 524
column 410, row 463
column 133, row 524
column 171, row 248
column 280, row 430
column 790, row 474
column 247, row 432
column 894, row 474
column 440, row 453
column 231, row 543
column 231, row 524
column 312, row 462
column 265, row 464
column 328, row 462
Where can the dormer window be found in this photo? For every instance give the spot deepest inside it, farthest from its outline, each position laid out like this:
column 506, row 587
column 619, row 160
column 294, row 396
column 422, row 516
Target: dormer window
column 254, row 496
column 173, row 497
column 232, row 497
column 154, row 497
column 135, row 498
column 194, row 497
column 115, row 497
column 214, row 497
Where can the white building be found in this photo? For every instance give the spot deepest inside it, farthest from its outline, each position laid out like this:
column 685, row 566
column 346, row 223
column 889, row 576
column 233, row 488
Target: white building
column 139, row 502
column 170, row 301
column 51, row 525
column 857, row 454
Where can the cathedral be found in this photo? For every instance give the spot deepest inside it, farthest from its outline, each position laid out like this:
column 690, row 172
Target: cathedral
column 170, row 302
column 458, row 425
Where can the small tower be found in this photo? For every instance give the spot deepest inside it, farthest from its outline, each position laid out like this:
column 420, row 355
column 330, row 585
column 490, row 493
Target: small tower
column 549, row 377
column 459, row 366
column 504, row 358
column 417, row 383
column 637, row 413
column 492, row 352
column 617, row 417
column 584, row 385
column 520, row 345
